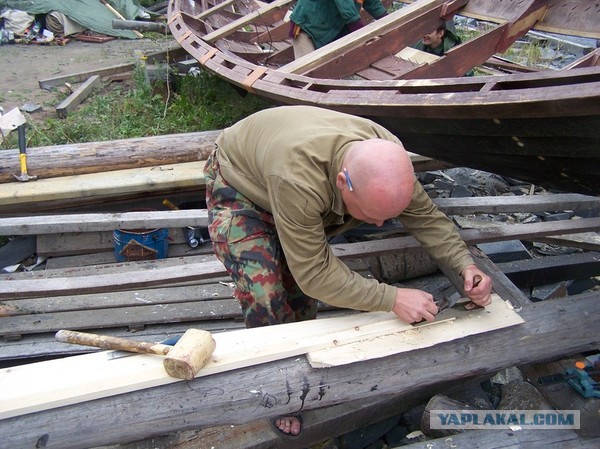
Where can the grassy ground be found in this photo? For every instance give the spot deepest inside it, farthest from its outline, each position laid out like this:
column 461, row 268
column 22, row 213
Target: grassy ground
column 143, row 108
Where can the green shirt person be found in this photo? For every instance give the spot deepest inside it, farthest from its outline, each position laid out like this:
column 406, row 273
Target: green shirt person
column 316, row 23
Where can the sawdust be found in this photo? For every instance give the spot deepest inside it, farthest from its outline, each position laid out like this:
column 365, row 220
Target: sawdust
column 22, row 66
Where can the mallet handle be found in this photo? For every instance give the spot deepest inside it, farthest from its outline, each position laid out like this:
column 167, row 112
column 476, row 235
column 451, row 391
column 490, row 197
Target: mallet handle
column 107, row 342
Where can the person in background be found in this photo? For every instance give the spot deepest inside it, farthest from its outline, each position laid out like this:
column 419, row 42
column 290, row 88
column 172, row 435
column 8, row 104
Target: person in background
column 284, row 180
column 315, row 23
column 439, row 41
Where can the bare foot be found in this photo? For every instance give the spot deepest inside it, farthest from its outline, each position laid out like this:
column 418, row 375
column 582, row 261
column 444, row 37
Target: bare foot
column 289, row 425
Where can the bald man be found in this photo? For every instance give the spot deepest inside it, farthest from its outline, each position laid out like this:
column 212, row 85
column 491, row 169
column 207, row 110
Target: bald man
column 283, row 181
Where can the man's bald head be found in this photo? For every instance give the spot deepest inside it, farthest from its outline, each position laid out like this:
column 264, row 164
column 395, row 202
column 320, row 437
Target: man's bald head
column 382, row 178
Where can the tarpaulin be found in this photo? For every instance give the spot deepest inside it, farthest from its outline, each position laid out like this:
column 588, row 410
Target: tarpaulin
column 91, row 14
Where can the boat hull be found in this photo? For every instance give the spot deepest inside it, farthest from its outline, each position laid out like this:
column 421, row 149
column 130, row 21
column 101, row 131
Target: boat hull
column 540, row 127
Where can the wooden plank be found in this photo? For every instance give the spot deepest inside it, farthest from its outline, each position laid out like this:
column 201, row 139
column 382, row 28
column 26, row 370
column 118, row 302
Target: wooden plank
column 14, row 288
column 106, row 184
column 291, row 385
column 36, row 347
column 48, row 224
column 58, row 224
column 176, row 250
column 115, row 300
column 369, row 32
column 83, row 189
column 319, row 425
column 218, row 7
column 236, row 349
column 106, row 282
column 460, row 59
column 133, row 317
column 70, row 103
column 50, row 83
column 552, row 269
column 503, row 439
column 586, row 240
column 523, row 203
column 454, row 324
column 472, row 236
column 83, row 378
column 259, row 14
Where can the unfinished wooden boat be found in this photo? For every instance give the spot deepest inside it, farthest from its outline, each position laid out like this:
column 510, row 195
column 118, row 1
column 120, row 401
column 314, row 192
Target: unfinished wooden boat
column 539, row 127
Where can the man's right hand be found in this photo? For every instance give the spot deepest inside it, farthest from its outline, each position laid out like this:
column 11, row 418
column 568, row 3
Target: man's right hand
column 414, row 305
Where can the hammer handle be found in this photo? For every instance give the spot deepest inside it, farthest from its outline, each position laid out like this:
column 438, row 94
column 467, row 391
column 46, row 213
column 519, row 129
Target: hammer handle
column 107, row 342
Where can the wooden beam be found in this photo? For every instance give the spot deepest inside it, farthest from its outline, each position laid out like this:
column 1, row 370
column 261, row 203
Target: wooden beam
column 167, row 55
column 70, row 103
column 58, row 224
column 547, row 270
column 471, row 236
column 51, row 83
column 86, row 379
column 218, row 7
column 49, row 224
column 523, row 203
column 499, row 439
column 291, row 385
column 108, row 184
column 259, row 14
column 33, row 286
column 93, row 157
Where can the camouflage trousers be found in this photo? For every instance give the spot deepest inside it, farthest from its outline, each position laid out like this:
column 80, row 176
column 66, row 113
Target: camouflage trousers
column 244, row 238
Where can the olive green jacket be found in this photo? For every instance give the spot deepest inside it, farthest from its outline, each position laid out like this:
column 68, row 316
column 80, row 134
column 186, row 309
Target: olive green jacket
column 326, row 20
column 286, row 160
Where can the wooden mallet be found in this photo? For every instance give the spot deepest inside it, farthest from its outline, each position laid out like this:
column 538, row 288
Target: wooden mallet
column 183, row 360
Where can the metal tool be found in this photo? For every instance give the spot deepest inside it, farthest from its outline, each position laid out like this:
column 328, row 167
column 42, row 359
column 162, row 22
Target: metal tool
column 584, row 377
column 188, row 231
column 183, row 360
column 24, row 176
column 448, row 297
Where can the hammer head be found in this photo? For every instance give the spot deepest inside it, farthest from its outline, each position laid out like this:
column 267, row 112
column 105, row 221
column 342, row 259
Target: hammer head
column 24, row 177
column 189, row 354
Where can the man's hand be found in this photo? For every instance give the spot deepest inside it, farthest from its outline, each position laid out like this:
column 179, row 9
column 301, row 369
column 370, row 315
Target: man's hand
column 478, row 285
column 414, row 305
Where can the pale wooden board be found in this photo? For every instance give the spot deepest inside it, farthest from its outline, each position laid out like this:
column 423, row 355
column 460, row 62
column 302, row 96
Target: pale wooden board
column 453, row 324
column 96, row 375
column 135, row 180
column 92, row 376
column 416, row 56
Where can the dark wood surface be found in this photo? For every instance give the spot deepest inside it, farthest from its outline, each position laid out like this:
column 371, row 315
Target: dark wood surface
column 156, row 312
column 291, row 385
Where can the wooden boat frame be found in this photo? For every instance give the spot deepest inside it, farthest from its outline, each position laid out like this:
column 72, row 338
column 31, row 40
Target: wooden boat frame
column 519, row 125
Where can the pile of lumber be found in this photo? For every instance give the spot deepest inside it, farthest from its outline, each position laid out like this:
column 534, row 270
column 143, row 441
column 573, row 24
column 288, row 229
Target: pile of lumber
column 82, row 287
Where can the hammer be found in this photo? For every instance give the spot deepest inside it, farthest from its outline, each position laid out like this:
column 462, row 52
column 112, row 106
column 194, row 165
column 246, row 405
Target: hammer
column 23, row 156
column 183, row 360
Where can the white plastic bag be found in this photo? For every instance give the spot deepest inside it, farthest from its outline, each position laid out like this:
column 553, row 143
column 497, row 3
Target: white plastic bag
column 17, row 21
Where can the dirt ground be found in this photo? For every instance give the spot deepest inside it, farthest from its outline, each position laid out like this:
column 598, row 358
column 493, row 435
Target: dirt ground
column 22, row 66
